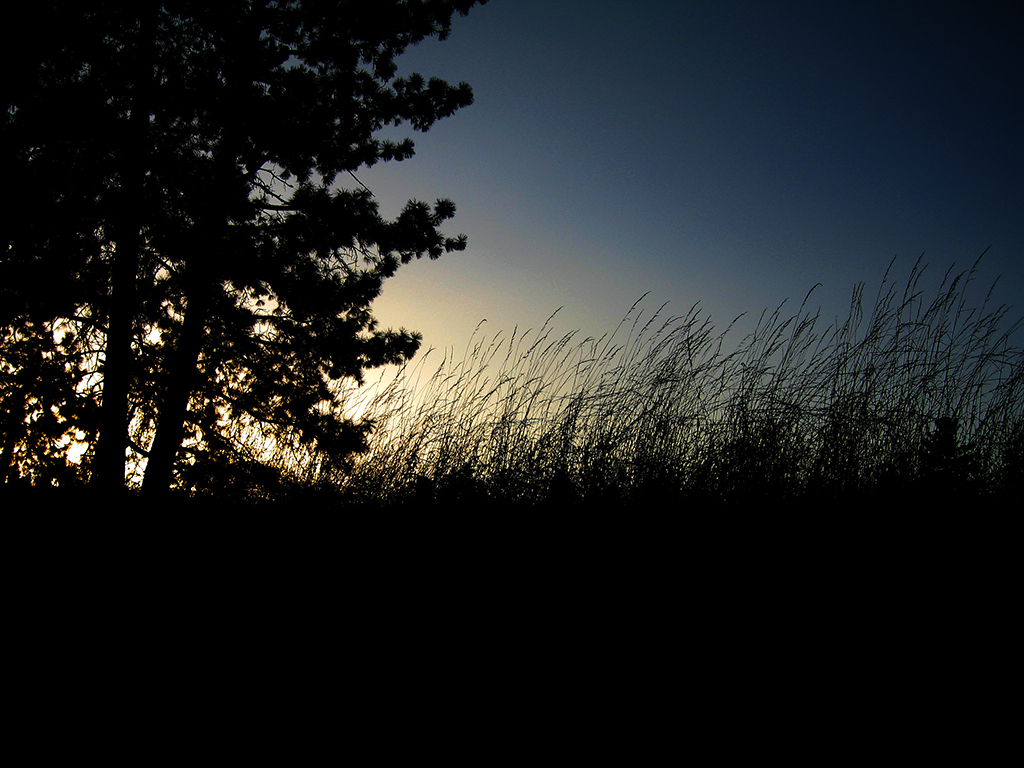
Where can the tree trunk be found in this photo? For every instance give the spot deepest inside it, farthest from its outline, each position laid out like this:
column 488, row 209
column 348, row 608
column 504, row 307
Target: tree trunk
column 202, row 276
column 173, row 412
column 108, row 468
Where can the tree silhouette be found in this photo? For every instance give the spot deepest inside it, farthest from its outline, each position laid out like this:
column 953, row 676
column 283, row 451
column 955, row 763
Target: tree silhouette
column 179, row 233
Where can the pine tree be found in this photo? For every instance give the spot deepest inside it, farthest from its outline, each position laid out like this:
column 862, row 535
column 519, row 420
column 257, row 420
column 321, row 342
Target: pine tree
column 182, row 219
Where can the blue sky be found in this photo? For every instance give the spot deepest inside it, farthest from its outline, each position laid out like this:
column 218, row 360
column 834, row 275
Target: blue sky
column 731, row 153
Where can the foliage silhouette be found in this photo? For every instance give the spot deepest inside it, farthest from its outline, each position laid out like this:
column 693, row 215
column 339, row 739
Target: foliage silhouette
column 183, row 251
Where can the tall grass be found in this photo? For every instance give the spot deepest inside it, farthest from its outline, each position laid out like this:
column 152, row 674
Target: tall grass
column 917, row 401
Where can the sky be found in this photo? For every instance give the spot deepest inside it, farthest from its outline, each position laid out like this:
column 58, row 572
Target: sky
column 733, row 154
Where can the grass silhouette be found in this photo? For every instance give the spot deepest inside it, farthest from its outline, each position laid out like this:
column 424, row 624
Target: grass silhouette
column 917, row 401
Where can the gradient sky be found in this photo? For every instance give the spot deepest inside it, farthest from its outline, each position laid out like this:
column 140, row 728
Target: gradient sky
column 731, row 153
